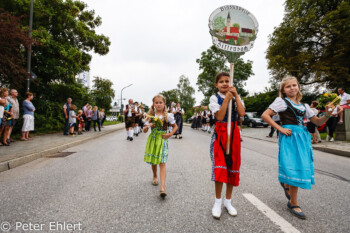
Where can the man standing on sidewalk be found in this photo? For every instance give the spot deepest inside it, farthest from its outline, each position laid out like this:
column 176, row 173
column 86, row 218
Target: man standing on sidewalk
column 130, row 114
column 12, row 98
column 66, row 109
column 344, row 103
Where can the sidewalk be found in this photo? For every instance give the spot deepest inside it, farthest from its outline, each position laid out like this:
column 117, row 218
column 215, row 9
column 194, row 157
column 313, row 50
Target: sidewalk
column 21, row 152
column 337, row 147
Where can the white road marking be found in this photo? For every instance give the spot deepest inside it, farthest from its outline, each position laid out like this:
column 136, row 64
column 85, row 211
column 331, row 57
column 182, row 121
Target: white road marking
column 272, row 215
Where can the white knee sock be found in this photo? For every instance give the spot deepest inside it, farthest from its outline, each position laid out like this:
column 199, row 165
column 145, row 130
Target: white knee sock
column 131, row 133
column 127, row 133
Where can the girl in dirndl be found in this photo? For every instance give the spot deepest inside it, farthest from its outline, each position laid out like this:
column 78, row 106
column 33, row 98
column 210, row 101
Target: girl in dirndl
column 225, row 168
column 295, row 156
column 156, row 152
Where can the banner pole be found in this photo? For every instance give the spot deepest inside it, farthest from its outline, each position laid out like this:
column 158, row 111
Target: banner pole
column 228, row 143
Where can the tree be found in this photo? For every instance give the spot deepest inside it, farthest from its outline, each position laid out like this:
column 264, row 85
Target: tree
column 186, row 92
column 13, row 42
column 259, row 102
column 219, row 23
column 312, row 43
column 171, row 95
column 64, row 34
column 214, row 61
column 236, row 25
column 103, row 93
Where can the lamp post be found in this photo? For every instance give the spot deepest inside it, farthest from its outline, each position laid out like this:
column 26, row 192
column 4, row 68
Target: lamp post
column 121, row 98
column 29, row 54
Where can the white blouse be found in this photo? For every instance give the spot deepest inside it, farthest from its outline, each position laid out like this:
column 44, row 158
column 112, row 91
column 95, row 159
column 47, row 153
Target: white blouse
column 214, row 105
column 280, row 106
column 171, row 119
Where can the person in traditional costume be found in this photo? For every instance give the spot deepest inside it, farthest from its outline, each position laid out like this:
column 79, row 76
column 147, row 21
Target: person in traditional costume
column 295, row 156
column 129, row 114
column 205, row 119
column 212, row 121
column 199, row 120
column 194, row 121
column 156, row 152
column 178, row 113
column 137, row 119
column 225, row 167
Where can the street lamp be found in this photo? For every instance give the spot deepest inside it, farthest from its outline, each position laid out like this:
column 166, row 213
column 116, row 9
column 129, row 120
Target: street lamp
column 29, row 54
column 121, row 98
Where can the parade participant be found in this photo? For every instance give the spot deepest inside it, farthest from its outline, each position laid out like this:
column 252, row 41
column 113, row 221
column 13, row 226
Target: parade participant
column 295, row 159
column 225, row 168
column 345, row 102
column 212, row 121
column 137, row 119
column 194, row 121
column 130, row 113
column 199, row 120
column 178, row 113
column 205, row 120
column 311, row 127
column 156, row 152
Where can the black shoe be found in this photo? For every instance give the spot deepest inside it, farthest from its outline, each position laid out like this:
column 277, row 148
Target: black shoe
column 128, row 138
column 131, row 139
column 65, row 134
column 136, row 134
column 300, row 215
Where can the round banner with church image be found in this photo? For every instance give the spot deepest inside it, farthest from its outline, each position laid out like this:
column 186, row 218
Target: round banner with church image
column 233, row 28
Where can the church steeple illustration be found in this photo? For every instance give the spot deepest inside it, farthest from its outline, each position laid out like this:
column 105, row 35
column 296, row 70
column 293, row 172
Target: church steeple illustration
column 228, row 23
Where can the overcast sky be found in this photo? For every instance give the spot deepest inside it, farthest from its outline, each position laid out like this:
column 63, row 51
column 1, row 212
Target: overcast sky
column 154, row 42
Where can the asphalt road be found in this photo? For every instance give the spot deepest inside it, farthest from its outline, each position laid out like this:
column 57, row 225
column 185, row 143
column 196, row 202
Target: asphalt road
column 105, row 186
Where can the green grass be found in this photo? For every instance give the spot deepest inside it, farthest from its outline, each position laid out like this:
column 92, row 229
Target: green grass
column 110, row 122
column 323, row 135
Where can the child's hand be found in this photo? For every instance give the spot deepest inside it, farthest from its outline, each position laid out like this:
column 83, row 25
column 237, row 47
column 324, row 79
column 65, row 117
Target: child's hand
column 232, row 90
column 285, row 131
column 151, row 125
column 166, row 136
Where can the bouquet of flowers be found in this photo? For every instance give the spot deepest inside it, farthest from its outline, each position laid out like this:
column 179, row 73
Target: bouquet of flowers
column 156, row 121
column 329, row 99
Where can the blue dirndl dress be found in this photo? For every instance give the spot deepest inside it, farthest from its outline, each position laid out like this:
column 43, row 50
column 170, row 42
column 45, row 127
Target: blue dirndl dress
column 295, row 156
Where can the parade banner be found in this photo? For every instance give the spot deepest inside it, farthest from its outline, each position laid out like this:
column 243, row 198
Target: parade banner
column 233, row 30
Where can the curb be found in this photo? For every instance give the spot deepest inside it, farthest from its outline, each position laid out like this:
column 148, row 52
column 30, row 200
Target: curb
column 4, row 166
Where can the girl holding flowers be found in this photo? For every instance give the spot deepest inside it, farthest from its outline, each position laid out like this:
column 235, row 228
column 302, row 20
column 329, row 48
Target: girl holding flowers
column 295, row 158
column 156, row 152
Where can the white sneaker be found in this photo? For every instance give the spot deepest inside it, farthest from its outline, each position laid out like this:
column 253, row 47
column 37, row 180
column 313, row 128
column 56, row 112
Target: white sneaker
column 216, row 211
column 230, row 209
column 332, row 140
column 327, row 138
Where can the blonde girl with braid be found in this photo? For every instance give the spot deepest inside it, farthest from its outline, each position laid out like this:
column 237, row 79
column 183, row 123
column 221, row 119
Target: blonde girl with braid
column 156, row 152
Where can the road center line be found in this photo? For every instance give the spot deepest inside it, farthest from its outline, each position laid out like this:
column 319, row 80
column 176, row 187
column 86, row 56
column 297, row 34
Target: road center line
column 272, row 215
